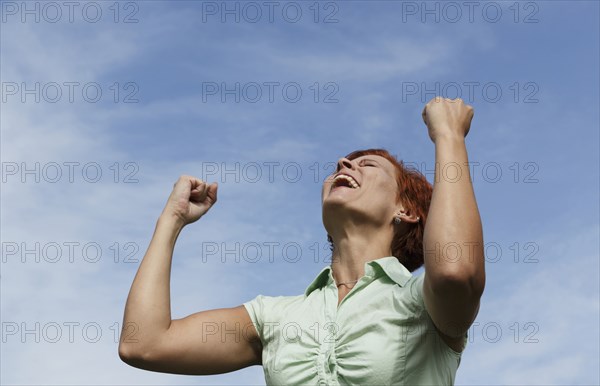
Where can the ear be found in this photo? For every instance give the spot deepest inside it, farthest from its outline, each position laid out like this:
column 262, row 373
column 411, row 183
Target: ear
column 406, row 216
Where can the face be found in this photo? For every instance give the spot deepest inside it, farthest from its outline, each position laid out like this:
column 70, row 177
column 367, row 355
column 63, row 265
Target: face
column 364, row 187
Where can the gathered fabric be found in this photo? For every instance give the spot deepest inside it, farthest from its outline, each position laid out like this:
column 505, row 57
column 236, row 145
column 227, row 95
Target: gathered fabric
column 380, row 334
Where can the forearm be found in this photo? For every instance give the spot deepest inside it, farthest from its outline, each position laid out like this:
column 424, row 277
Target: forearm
column 453, row 236
column 148, row 307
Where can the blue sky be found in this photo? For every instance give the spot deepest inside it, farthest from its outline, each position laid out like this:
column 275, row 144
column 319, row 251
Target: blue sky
column 533, row 148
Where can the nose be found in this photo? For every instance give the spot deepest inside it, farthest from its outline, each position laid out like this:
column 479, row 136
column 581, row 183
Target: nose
column 344, row 163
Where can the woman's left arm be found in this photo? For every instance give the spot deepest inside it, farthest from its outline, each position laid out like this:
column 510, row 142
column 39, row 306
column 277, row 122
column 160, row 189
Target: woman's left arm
column 453, row 237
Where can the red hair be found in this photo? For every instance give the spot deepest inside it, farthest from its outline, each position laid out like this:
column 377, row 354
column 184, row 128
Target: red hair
column 414, row 192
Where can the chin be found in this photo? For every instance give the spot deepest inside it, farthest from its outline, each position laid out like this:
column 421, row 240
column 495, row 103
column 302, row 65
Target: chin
column 335, row 200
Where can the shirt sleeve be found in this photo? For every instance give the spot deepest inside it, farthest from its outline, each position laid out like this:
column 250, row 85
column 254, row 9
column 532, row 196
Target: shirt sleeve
column 415, row 290
column 257, row 310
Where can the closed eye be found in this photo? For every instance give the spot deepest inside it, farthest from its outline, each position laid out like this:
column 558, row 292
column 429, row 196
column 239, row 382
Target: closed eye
column 369, row 163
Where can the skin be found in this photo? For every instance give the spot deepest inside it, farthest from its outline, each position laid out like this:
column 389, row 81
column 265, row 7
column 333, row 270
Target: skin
column 153, row 341
column 150, row 339
column 360, row 223
column 453, row 284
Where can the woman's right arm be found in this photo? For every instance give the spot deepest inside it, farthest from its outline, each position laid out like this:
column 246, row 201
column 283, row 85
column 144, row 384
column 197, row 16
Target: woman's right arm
column 208, row 342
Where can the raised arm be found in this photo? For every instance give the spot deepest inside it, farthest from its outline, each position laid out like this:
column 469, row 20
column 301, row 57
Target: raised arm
column 453, row 236
column 202, row 343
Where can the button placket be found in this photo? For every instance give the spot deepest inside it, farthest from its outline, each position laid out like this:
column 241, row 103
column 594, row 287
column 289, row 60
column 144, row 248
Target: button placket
column 332, row 334
column 324, row 374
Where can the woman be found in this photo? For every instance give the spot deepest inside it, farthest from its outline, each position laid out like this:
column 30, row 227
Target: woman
column 363, row 320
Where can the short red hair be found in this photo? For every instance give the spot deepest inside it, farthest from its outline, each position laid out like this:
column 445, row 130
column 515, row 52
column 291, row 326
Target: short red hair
column 414, row 192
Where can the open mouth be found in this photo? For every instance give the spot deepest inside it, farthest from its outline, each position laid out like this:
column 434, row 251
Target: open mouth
column 344, row 180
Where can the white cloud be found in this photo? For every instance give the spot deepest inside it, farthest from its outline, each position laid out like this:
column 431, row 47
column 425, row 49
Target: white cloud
column 547, row 315
column 560, row 296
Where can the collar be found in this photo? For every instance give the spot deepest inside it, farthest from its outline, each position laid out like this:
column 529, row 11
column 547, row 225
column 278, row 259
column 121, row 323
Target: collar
column 389, row 265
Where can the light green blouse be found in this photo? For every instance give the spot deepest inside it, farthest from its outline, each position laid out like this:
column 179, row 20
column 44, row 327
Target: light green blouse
column 380, row 334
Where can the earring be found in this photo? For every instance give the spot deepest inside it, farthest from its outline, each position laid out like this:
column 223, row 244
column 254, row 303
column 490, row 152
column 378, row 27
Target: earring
column 397, row 220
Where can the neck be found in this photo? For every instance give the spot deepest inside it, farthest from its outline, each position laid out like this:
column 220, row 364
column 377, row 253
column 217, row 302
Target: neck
column 353, row 249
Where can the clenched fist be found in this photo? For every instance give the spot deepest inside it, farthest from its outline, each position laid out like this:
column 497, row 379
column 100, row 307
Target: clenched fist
column 447, row 117
column 190, row 199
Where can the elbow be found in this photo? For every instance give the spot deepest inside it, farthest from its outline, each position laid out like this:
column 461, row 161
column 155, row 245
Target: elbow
column 465, row 276
column 468, row 284
column 127, row 354
column 141, row 352
column 133, row 356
